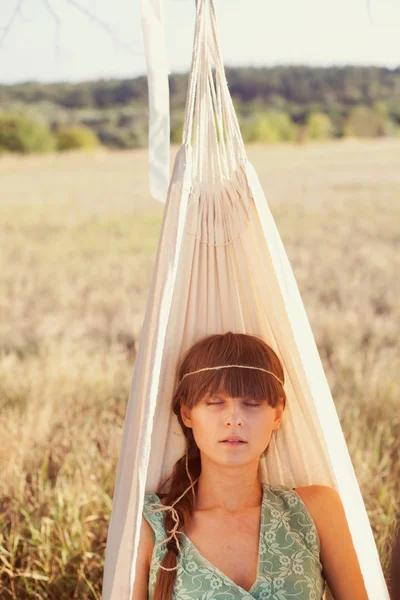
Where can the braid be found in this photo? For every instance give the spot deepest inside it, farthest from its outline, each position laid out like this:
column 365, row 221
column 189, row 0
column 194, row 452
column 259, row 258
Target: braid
column 172, row 547
column 178, row 510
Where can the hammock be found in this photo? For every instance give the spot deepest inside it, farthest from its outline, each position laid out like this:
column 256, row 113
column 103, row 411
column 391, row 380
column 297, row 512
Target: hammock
column 220, row 265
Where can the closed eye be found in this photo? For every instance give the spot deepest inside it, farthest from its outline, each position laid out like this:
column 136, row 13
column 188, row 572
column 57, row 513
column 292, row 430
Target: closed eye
column 246, row 403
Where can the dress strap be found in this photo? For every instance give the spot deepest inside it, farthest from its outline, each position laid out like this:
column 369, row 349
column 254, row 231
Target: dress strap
column 154, row 518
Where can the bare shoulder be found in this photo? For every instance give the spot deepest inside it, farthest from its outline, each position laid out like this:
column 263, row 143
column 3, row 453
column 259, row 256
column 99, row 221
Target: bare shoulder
column 318, row 494
column 146, row 536
column 338, row 556
column 143, row 561
column 146, row 542
column 320, row 500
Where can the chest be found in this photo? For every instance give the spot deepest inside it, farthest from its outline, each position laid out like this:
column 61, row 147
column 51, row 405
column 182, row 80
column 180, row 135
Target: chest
column 229, row 544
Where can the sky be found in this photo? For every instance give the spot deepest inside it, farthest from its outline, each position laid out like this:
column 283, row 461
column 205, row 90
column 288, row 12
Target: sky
column 109, row 44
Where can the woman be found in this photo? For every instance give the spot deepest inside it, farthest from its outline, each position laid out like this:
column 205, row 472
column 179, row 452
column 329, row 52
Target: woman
column 218, row 531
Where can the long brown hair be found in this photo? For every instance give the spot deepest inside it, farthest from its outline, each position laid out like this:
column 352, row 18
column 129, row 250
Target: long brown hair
column 211, row 351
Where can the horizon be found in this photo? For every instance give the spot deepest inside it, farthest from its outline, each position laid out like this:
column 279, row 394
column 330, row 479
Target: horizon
column 258, row 67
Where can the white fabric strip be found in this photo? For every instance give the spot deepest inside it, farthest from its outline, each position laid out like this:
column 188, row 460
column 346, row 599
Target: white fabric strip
column 158, row 86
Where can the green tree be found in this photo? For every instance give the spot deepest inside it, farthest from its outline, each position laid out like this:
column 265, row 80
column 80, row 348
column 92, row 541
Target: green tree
column 366, row 122
column 19, row 133
column 76, row 137
column 134, row 136
column 319, row 126
column 272, row 127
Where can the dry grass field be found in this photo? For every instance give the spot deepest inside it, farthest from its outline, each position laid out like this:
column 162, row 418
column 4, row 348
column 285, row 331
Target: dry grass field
column 78, row 239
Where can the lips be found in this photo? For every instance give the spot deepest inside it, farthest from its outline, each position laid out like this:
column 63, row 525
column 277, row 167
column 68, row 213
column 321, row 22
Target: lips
column 234, row 438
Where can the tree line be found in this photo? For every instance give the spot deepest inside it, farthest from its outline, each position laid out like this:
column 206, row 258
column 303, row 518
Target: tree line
column 273, row 104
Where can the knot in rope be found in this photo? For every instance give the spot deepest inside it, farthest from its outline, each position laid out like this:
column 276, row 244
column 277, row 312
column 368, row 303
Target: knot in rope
column 172, row 541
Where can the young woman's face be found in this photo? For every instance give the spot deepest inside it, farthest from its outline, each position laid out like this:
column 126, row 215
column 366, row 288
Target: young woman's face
column 216, row 417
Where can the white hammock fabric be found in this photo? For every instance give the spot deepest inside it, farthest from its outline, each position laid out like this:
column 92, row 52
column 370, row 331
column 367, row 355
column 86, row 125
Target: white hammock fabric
column 221, row 265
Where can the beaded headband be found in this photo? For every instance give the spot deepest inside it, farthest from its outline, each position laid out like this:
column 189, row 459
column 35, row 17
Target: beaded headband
column 225, row 366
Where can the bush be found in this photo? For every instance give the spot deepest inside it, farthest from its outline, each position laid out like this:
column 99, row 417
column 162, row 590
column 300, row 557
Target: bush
column 366, row 122
column 73, row 137
column 19, row 133
column 273, row 126
column 392, row 129
column 319, row 126
column 125, row 137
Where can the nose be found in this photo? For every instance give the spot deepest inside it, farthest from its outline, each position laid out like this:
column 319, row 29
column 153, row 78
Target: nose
column 233, row 416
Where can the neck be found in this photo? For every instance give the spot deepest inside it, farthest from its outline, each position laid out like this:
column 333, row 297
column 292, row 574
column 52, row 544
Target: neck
column 233, row 490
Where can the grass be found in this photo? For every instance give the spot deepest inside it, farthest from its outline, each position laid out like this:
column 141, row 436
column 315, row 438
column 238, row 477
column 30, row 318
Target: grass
column 79, row 235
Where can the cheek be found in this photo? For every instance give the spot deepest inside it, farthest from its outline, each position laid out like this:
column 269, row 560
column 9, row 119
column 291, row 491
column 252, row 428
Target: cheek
column 262, row 421
column 207, row 427
column 204, row 424
column 261, row 425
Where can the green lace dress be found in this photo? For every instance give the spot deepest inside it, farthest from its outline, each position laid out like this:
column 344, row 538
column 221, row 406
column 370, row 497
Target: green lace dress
column 289, row 566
